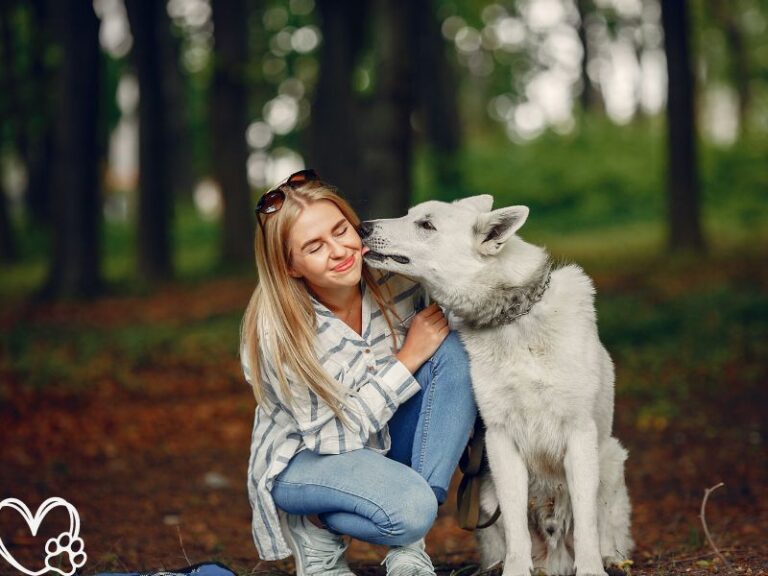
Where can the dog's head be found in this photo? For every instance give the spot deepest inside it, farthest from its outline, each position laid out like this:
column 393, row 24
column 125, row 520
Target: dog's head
column 445, row 246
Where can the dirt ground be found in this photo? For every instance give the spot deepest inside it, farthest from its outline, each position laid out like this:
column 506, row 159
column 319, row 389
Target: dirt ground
column 158, row 473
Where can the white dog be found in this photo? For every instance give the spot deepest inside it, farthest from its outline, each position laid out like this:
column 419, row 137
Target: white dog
column 542, row 380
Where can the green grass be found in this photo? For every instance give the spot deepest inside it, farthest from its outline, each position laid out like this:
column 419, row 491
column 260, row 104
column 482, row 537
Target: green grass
column 73, row 355
column 702, row 342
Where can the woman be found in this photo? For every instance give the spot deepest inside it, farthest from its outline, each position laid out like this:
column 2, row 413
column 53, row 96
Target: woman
column 364, row 400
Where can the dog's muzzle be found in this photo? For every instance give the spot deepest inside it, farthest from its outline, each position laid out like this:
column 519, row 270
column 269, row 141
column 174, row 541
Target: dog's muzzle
column 379, row 257
column 365, row 230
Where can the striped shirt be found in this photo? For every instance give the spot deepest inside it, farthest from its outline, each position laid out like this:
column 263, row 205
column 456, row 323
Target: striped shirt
column 363, row 363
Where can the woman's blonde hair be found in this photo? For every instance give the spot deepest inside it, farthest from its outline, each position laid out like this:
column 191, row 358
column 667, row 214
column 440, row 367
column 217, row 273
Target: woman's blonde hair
column 280, row 319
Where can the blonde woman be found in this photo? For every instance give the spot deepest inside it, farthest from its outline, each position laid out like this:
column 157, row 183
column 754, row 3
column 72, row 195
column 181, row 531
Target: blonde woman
column 364, row 399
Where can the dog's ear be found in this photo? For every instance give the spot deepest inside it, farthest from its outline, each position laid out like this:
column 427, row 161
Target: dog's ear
column 493, row 229
column 480, row 204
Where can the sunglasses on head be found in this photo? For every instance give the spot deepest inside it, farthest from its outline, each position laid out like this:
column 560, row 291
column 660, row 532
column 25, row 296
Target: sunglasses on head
column 272, row 200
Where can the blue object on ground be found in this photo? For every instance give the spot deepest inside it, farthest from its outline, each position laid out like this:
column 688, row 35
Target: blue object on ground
column 201, row 569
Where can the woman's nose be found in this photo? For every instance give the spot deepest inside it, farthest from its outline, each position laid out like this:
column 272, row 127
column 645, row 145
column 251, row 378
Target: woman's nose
column 337, row 248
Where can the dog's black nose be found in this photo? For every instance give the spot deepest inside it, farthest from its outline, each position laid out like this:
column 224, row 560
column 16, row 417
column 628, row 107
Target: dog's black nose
column 365, row 229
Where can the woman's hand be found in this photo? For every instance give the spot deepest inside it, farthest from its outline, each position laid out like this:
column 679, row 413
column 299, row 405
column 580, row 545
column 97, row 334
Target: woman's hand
column 427, row 331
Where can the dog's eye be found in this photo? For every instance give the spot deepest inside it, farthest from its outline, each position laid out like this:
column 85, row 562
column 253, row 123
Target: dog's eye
column 426, row 224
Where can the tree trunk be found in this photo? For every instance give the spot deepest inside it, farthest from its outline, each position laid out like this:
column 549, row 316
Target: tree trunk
column 9, row 117
column 13, row 83
column 155, row 202
column 334, row 140
column 589, row 96
column 727, row 16
column 39, row 122
column 682, row 183
column 387, row 121
column 436, row 90
column 181, row 172
column 76, row 199
column 8, row 251
column 229, row 121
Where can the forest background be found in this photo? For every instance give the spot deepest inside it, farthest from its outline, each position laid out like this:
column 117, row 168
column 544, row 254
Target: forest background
column 136, row 137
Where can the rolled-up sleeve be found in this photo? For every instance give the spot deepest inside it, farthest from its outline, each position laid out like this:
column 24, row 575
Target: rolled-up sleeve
column 370, row 405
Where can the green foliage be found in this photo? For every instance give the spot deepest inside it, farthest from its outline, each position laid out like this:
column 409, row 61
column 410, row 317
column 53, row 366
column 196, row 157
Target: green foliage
column 195, row 242
column 735, row 181
column 606, row 177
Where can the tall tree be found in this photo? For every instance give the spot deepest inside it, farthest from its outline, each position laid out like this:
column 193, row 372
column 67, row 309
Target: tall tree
column 727, row 15
column 8, row 117
column 13, row 109
column 181, row 168
column 76, row 210
column 589, row 96
column 334, row 140
column 8, row 251
column 155, row 202
column 39, row 122
column 386, row 124
column 27, row 89
column 435, row 86
column 228, row 125
column 365, row 143
column 682, row 177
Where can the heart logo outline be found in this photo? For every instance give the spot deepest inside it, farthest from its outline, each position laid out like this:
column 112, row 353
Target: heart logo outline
column 53, row 546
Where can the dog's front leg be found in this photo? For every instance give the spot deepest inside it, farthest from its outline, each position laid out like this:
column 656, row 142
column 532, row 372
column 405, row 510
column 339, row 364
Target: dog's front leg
column 582, row 472
column 510, row 477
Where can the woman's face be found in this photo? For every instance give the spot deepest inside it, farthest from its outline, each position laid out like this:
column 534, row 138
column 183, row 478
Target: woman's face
column 325, row 248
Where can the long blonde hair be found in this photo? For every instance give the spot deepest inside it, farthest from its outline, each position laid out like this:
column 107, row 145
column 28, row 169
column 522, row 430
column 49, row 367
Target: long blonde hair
column 280, row 319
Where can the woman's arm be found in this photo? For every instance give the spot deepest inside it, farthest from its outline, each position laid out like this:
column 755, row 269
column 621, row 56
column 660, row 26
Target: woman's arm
column 370, row 408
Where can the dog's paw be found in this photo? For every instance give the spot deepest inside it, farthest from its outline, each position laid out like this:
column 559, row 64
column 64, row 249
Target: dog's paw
column 70, row 548
column 517, row 569
column 619, row 568
column 591, row 570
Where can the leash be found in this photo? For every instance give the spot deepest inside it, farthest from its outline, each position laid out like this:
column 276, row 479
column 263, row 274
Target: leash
column 472, row 463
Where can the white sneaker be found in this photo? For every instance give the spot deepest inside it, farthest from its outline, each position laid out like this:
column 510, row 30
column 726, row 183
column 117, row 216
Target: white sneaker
column 315, row 550
column 409, row 560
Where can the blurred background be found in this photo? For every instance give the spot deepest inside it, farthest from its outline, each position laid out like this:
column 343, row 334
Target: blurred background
column 136, row 137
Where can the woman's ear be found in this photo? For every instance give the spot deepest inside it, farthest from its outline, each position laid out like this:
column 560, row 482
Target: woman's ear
column 293, row 272
column 289, row 263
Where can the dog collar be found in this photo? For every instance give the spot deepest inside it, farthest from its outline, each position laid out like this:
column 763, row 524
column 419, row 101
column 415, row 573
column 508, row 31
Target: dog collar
column 520, row 300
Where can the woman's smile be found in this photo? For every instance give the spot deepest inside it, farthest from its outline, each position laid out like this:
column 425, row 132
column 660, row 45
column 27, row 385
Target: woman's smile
column 346, row 265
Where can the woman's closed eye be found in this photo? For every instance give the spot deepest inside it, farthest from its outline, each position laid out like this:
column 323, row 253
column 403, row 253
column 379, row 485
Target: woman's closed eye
column 339, row 234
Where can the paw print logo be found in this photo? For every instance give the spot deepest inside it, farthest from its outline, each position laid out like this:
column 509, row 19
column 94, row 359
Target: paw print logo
column 67, row 548
column 71, row 549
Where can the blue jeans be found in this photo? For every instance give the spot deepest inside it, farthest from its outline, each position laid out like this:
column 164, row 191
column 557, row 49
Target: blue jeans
column 392, row 499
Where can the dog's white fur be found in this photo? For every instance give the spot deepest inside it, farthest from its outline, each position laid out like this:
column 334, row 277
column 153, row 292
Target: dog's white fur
column 544, row 385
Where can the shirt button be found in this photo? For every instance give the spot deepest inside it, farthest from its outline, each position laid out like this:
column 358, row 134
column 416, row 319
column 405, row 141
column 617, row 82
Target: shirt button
column 371, row 369
column 367, row 350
